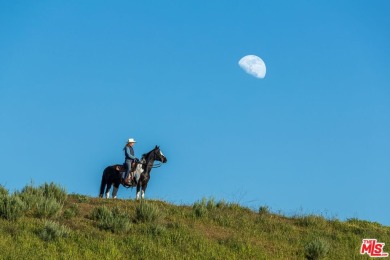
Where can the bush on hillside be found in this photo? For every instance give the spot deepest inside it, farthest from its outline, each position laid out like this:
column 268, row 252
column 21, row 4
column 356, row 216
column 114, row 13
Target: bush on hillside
column 30, row 196
column 316, row 249
column 47, row 207
column 101, row 213
column 45, row 201
column 11, row 207
column 155, row 229
column 71, row 211
column 3, row 191
column 112, row 220
column 200, row 208
column 147, row 212
column 54, row 191
column 211, row 204
column 52, row 230
column 222, row 204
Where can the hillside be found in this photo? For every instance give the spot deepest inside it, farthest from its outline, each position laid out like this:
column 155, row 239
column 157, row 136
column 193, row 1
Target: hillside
column 46, row 223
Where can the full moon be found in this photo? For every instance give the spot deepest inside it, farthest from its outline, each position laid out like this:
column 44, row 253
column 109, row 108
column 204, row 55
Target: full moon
column 253, row 65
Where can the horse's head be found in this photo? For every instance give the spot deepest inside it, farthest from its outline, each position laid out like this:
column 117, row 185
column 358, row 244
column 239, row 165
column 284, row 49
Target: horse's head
column 158, row 155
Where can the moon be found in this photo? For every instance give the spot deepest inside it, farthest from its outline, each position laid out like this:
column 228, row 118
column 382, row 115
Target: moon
column 253, row 65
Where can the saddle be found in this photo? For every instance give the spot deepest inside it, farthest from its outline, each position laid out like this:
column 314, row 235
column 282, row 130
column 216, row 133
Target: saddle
column 123, row 167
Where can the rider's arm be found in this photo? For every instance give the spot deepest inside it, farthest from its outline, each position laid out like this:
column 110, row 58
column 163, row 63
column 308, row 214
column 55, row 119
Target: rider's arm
column 128, row 154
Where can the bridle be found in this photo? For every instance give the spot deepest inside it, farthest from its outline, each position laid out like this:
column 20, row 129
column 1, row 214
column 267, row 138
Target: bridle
column 153, row 166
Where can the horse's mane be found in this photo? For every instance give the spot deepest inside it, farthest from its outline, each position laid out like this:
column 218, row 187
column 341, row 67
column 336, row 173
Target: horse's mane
column 146, row 155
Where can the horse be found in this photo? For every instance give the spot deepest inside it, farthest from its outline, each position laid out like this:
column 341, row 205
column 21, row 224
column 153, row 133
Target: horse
column 113, row 174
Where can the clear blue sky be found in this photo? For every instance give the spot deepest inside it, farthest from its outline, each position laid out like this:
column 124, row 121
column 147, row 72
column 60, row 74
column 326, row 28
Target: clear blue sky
column 78, row 78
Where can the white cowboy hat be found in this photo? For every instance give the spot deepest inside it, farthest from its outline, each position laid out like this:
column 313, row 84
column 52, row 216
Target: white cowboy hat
column 131, row 140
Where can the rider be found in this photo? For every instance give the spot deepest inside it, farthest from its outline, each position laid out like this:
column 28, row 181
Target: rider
column 129, row 158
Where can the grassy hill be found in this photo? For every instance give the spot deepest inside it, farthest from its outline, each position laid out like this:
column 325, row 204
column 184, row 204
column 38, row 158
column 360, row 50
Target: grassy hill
column 46, row 223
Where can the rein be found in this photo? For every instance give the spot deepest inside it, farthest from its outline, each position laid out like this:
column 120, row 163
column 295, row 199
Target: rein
column 154, row 166
column 157, row 165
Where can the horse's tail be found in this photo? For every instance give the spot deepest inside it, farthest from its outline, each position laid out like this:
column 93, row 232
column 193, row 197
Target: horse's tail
column 103, row 183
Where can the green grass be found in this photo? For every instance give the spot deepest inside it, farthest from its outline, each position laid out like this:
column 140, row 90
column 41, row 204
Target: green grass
column 94, row 228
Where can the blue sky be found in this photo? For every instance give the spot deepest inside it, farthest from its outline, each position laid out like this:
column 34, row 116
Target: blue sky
column 77, row 79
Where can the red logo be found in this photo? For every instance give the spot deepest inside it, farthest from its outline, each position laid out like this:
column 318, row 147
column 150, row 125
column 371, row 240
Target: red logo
column 372, row 248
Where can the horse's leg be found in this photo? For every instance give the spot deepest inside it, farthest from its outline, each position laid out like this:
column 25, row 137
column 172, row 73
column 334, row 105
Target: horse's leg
column 102, row 185
column 115, row 191
column 138, row 189
column 144, row 186
column 109, row 184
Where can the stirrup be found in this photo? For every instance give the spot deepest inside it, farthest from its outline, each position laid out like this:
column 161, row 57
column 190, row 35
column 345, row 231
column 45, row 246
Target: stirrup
column 126, row 183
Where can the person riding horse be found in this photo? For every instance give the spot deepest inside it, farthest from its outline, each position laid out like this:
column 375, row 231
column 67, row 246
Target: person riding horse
column 130, row 161
column 112, row 175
